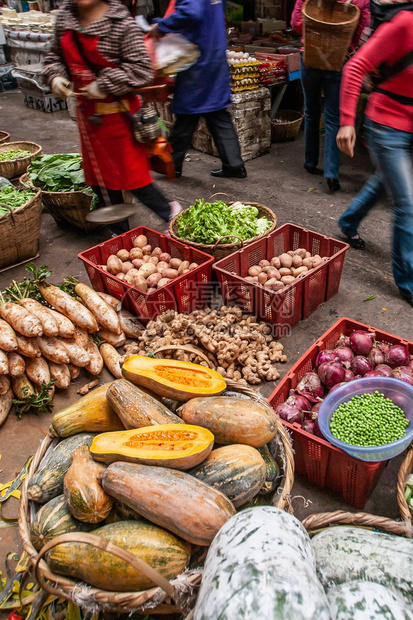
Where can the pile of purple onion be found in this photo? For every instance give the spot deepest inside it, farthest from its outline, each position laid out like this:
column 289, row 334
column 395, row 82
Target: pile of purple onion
column 355, row 356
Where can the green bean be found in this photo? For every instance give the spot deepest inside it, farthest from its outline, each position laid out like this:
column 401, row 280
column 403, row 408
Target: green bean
column 14, row 154
column 13, row 197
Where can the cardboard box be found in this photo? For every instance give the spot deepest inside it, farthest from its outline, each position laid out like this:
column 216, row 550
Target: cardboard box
column 43, row 102
column 271, row 25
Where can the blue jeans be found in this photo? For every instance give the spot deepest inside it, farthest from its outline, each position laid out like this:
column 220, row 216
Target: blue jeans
column 391, row 152
column 315, row 82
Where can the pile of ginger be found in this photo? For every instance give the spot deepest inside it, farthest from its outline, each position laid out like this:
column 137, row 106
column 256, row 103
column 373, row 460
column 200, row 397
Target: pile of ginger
column 237, row 346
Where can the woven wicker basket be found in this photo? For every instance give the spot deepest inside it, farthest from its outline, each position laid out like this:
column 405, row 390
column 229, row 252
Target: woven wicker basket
column 328, row 34
column 286, row 125
column 17, row 167
column 314, row 523
column 168, row 597
column 221, row 250
column 20, row 232
column 4, row 137
column 406, row 468
column 66, row 208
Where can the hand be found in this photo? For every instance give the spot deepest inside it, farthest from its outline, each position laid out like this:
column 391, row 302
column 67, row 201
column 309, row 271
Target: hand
column 61, row 87
column 92, row 91
column 346, row 139
column 154, row 32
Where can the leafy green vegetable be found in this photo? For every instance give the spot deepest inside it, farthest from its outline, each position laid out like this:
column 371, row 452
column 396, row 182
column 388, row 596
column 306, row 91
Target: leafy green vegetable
column 14, row 198
column 206, row 222
column 14, row 154
column 28, row 287
column 41, row 402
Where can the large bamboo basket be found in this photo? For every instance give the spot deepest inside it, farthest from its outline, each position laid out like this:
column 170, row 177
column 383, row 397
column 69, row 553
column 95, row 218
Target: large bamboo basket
column 221, row 250
column 20, row 232
column 320, row 521
column 4, row 137
column 406, row 468
column 177, row 596
column 328, row 33
column 17, row 167
column 66, row 208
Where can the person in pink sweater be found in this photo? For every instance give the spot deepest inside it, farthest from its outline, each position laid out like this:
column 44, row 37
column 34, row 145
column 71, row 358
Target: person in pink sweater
column 316, row 82
column 389, row 124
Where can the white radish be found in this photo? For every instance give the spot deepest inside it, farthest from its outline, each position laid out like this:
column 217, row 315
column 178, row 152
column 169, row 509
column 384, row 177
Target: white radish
column 131, row 326
column 49, row 323
column 4, row 384
column 28, row 346
column 4, row 363
column 111, row 338
column 81, row 337
column 112, row 359
column 77, row 356
column 104, row 313
column 8, row 340
column 21, row 320
column 37, row 369
column 17, row 365
column 95, row 365
column 6, row 402
column 61, row 374
column 65, row 325
column 54, row 350
column 64, row 303
column 74, row 371
column 112, row 301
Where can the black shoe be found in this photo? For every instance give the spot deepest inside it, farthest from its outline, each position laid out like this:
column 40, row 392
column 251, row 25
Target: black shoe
column 235, row 173
column 407, row 297
column 357, row 244
column 313, row 169
column 333, row 185
column 178, row 173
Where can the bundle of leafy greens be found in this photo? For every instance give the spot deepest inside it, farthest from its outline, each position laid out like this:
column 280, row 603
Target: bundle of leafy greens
column 206, row 222
column 60, row 173
column 14, row 198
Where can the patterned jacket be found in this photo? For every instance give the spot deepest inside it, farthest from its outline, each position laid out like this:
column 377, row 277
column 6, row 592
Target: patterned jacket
column 120, row 41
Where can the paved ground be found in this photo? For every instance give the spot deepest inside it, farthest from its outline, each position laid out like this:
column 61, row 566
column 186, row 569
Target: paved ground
column 277, row 180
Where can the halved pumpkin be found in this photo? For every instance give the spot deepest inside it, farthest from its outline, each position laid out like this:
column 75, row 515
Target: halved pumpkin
column 178, row 446
column 173, row 378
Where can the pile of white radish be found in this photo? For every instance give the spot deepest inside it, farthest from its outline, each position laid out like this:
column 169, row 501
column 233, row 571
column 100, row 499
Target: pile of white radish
column 38, row 344
column 281, row 271
column 146, row 268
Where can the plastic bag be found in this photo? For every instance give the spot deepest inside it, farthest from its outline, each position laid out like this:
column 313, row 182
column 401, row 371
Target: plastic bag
column 174, row 53
column 5, row 182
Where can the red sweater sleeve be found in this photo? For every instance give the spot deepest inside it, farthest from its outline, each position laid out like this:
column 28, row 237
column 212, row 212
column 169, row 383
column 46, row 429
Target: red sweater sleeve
column 386, row 45
column 364, row 22
column 297, row 17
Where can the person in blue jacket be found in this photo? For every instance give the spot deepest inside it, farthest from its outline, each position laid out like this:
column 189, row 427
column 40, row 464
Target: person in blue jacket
column 203, row 89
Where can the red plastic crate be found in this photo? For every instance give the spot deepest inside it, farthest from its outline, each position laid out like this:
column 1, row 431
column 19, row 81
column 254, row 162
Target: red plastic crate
column 283, row 308
column 323, row 464
column 184, row 294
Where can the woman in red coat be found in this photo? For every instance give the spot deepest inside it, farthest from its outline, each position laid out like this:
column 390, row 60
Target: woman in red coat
column 99, row 48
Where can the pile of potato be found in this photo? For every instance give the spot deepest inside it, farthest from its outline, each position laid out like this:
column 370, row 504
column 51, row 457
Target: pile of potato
column 281, row 271
column 145, row 267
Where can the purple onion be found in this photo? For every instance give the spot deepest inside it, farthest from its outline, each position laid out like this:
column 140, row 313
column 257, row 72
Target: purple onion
column 397, row 355
column 362, row 342
column 372, row 373
column 348, row 375
column 384, row 370
column 310, row 386
column 308, row 426
column 331, row 373
column 343, row 341
column 289, row 413
column 404, row 373
column 383, row 346
column 344, row 354
column 299, row 401
column 360, row 365
column 376, row 356
column 336, row 386
column 317, row 430
column 315, row 409
column 326, row 356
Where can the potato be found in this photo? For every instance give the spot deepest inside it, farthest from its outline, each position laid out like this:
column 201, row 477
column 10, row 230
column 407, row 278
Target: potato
column 156, row 252
column 254, row 270
column 147, row 270
column 287, row 279
column 175, row 263
column 154, row 260
column 275, row 262
column 121, row 276
column 307, row 262
column 286, row 260
column 133, row 272
column 255, row 279
column 301, row 252
column 153, row 279
column 297, row 261
column 170, row 273
column 146, row 258
column 249, row 279
column 104, row 267
column 123, row 255
column 140, row 241
column 163, row 281
column 299, row 271
column 316, row 260
column 193, row 266
column 151, row 290
column 147, row 249
column 128, row 278
column 161, row 266
column 137, row 262
column 114, row 265
column 278, row 286
column 262, row 277
column 165, row 257
column 274, row 273
column 270, row 283
column 184, row 272
column 290, row 252
column 183, row 266
column 284, row 271
column 140, row 283
column 126, row 266
column 264, row 263
column 135, row 253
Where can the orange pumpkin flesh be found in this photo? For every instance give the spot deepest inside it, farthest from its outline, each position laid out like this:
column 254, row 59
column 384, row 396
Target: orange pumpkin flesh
column 166, row 445
column 172, row 378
